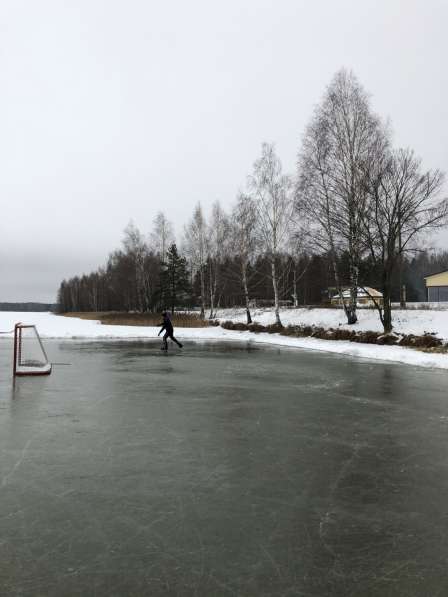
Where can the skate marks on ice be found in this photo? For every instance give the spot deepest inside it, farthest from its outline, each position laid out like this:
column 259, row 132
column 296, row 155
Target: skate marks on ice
column 223, row 471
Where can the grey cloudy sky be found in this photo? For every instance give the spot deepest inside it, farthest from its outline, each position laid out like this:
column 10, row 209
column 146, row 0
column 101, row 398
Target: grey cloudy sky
column 113, row 110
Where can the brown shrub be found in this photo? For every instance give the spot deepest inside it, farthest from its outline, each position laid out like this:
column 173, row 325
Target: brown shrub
column 307, row 330
column 316, row 332
column 367, row 337
column 291, row 330
column 256, row 328
column 436, row 349
column 241, row 327
column 274, row 328
column 388, row 339
column 234, row 325
column 343, row 334
column 179, row 319
column 425, row 341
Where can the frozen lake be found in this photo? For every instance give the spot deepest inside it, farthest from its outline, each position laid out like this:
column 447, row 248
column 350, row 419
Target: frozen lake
column 222, row 469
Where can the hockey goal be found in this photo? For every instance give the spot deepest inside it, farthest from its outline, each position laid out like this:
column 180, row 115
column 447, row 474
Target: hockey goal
column 30, row 357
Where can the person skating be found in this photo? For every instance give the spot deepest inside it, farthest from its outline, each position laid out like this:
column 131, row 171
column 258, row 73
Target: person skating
column 169, row 331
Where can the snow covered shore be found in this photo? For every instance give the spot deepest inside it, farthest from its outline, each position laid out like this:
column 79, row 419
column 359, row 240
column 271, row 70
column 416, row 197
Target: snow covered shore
column 409, row 321
column 417, row 322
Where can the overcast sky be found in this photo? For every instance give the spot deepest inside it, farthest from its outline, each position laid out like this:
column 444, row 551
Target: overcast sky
column 113, row 110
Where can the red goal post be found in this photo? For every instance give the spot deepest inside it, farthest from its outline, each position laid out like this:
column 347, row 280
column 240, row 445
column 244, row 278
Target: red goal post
column 30, row 357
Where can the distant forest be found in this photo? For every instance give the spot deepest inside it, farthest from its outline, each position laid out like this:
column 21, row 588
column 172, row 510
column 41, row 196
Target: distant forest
column 133, row 280
column 28, row 307
column 356, row 214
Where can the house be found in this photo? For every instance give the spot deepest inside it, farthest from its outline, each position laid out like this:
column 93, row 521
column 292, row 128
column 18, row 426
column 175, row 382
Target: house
column 366, row 297
column 437, row 287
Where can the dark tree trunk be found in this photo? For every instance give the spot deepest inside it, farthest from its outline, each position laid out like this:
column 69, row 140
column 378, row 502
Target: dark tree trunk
column 349, row 311
column 387, row 305
column 387, row 317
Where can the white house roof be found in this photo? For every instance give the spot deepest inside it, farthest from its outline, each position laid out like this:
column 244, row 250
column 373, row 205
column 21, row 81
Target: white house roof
column 362, row 293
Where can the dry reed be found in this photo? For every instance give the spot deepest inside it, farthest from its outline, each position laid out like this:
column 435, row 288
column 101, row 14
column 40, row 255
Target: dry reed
column 180, row 319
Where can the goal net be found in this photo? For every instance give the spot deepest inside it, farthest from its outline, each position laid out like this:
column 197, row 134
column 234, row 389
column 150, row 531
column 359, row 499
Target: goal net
column 30, row 357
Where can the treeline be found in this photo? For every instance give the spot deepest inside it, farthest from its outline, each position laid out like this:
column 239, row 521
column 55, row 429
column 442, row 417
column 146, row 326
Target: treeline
column 28, row 307
column 115, row 287
column 354, row 215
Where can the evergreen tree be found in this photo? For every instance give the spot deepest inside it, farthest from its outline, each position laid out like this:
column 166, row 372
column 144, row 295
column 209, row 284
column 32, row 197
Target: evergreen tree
column 174, row 279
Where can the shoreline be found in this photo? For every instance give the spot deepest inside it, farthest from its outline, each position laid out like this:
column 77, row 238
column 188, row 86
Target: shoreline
column 54, row 327
column 343, row 348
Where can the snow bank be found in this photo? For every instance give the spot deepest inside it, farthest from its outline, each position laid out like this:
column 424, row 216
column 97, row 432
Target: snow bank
column 412, row 321
column 55, row 326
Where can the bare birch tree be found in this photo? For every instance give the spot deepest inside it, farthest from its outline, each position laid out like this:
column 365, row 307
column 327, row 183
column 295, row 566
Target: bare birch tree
column 297, row 252
column 404, row 203
column 244, row 241
column 162, row 235
column 271, row 193
column 196, row 248
column 137, row 251
column 339, row 141
column 217, row 244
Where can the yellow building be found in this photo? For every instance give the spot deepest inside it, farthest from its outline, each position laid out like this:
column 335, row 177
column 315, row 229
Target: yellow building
column 437, row 287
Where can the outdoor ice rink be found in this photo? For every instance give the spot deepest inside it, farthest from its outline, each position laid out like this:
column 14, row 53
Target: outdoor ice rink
column 222, row 469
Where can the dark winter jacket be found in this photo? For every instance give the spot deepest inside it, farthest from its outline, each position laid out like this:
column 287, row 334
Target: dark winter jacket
column 167, row 325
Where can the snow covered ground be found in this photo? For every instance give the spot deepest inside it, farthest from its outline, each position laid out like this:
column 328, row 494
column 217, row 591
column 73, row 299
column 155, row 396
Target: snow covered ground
column 412, row 321
column 70, row 328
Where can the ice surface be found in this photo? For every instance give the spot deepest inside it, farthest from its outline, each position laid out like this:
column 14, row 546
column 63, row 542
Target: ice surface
column 222, row 469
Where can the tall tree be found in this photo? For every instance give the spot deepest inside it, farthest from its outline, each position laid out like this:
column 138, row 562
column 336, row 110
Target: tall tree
column 162, row 235
column 217, row 242
column 297, row 247
column 137, row 250
column 271, row 193
column 196, row 246
column 174, row 278
column 341, row 138
column 404, row 203
column 244, row 242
